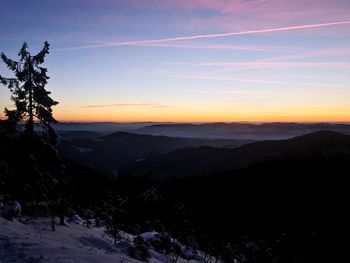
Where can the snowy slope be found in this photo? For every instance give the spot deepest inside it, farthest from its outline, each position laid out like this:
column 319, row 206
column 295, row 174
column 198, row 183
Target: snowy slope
column 33, row 241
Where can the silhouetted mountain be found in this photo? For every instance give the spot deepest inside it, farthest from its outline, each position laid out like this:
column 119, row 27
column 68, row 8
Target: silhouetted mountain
column 206, row 160
column 109, row 153
column 263, row 131
column 251, row 131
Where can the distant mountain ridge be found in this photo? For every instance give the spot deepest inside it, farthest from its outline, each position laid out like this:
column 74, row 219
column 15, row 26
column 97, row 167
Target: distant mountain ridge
column 202, row 161
column 215, row 130
column 263, row 131
column 109, row 153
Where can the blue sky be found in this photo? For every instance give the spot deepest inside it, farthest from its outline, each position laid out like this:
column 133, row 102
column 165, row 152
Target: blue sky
column 203, row 60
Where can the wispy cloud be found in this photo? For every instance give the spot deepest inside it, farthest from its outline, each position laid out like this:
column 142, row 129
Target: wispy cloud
column 155, row 105
column 277, row 61
column 262, row 81
column 260, row 64
column 309, row 54
column 207, row 36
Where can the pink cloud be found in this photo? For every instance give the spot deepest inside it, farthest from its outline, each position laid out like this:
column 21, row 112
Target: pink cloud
column 227, row 15
column 268, row 11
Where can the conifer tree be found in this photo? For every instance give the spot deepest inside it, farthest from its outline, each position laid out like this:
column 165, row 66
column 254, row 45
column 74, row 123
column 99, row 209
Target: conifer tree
column 32, row 100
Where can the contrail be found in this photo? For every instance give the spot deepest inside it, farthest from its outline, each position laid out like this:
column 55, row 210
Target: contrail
column 201, row 46
column 171, row 39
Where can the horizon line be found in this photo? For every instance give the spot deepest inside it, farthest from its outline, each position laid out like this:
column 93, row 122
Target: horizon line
column 189, row 122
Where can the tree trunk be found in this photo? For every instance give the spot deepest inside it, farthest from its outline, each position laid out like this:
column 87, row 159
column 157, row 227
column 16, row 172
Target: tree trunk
column 61, row 216
column 30, row 124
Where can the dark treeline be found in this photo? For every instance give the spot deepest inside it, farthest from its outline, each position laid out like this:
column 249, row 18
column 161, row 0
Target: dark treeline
column 295, row 207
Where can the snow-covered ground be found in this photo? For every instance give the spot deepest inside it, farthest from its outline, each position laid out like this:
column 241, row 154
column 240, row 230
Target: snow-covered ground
column 33, row 241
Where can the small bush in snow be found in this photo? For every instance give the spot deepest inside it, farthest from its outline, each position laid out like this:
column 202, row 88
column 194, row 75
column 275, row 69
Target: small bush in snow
column 139, row 249
column 12, row 209
column 162, row 243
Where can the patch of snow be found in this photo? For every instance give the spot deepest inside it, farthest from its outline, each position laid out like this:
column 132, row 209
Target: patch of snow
column 34, row 241
column 150, row 236
column 76, row 219
column 188, row 252
column 158, row 256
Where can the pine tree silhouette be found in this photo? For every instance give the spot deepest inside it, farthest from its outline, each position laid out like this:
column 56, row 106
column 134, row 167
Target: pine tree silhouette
column 32, row 100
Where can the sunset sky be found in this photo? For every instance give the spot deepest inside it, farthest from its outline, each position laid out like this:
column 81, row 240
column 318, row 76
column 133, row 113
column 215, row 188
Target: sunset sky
column 187, row 60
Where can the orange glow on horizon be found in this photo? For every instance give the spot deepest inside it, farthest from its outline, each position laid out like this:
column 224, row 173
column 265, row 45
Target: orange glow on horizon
column 207, row 118
column 210, row 112
column 198, row 113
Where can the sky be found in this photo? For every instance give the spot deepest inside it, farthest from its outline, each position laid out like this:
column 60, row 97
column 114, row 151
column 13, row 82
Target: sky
column 187, row 60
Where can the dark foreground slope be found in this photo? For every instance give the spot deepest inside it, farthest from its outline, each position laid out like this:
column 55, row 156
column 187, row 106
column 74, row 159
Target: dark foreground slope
column 286, row 207
column 201, row 161
column 292, row 205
